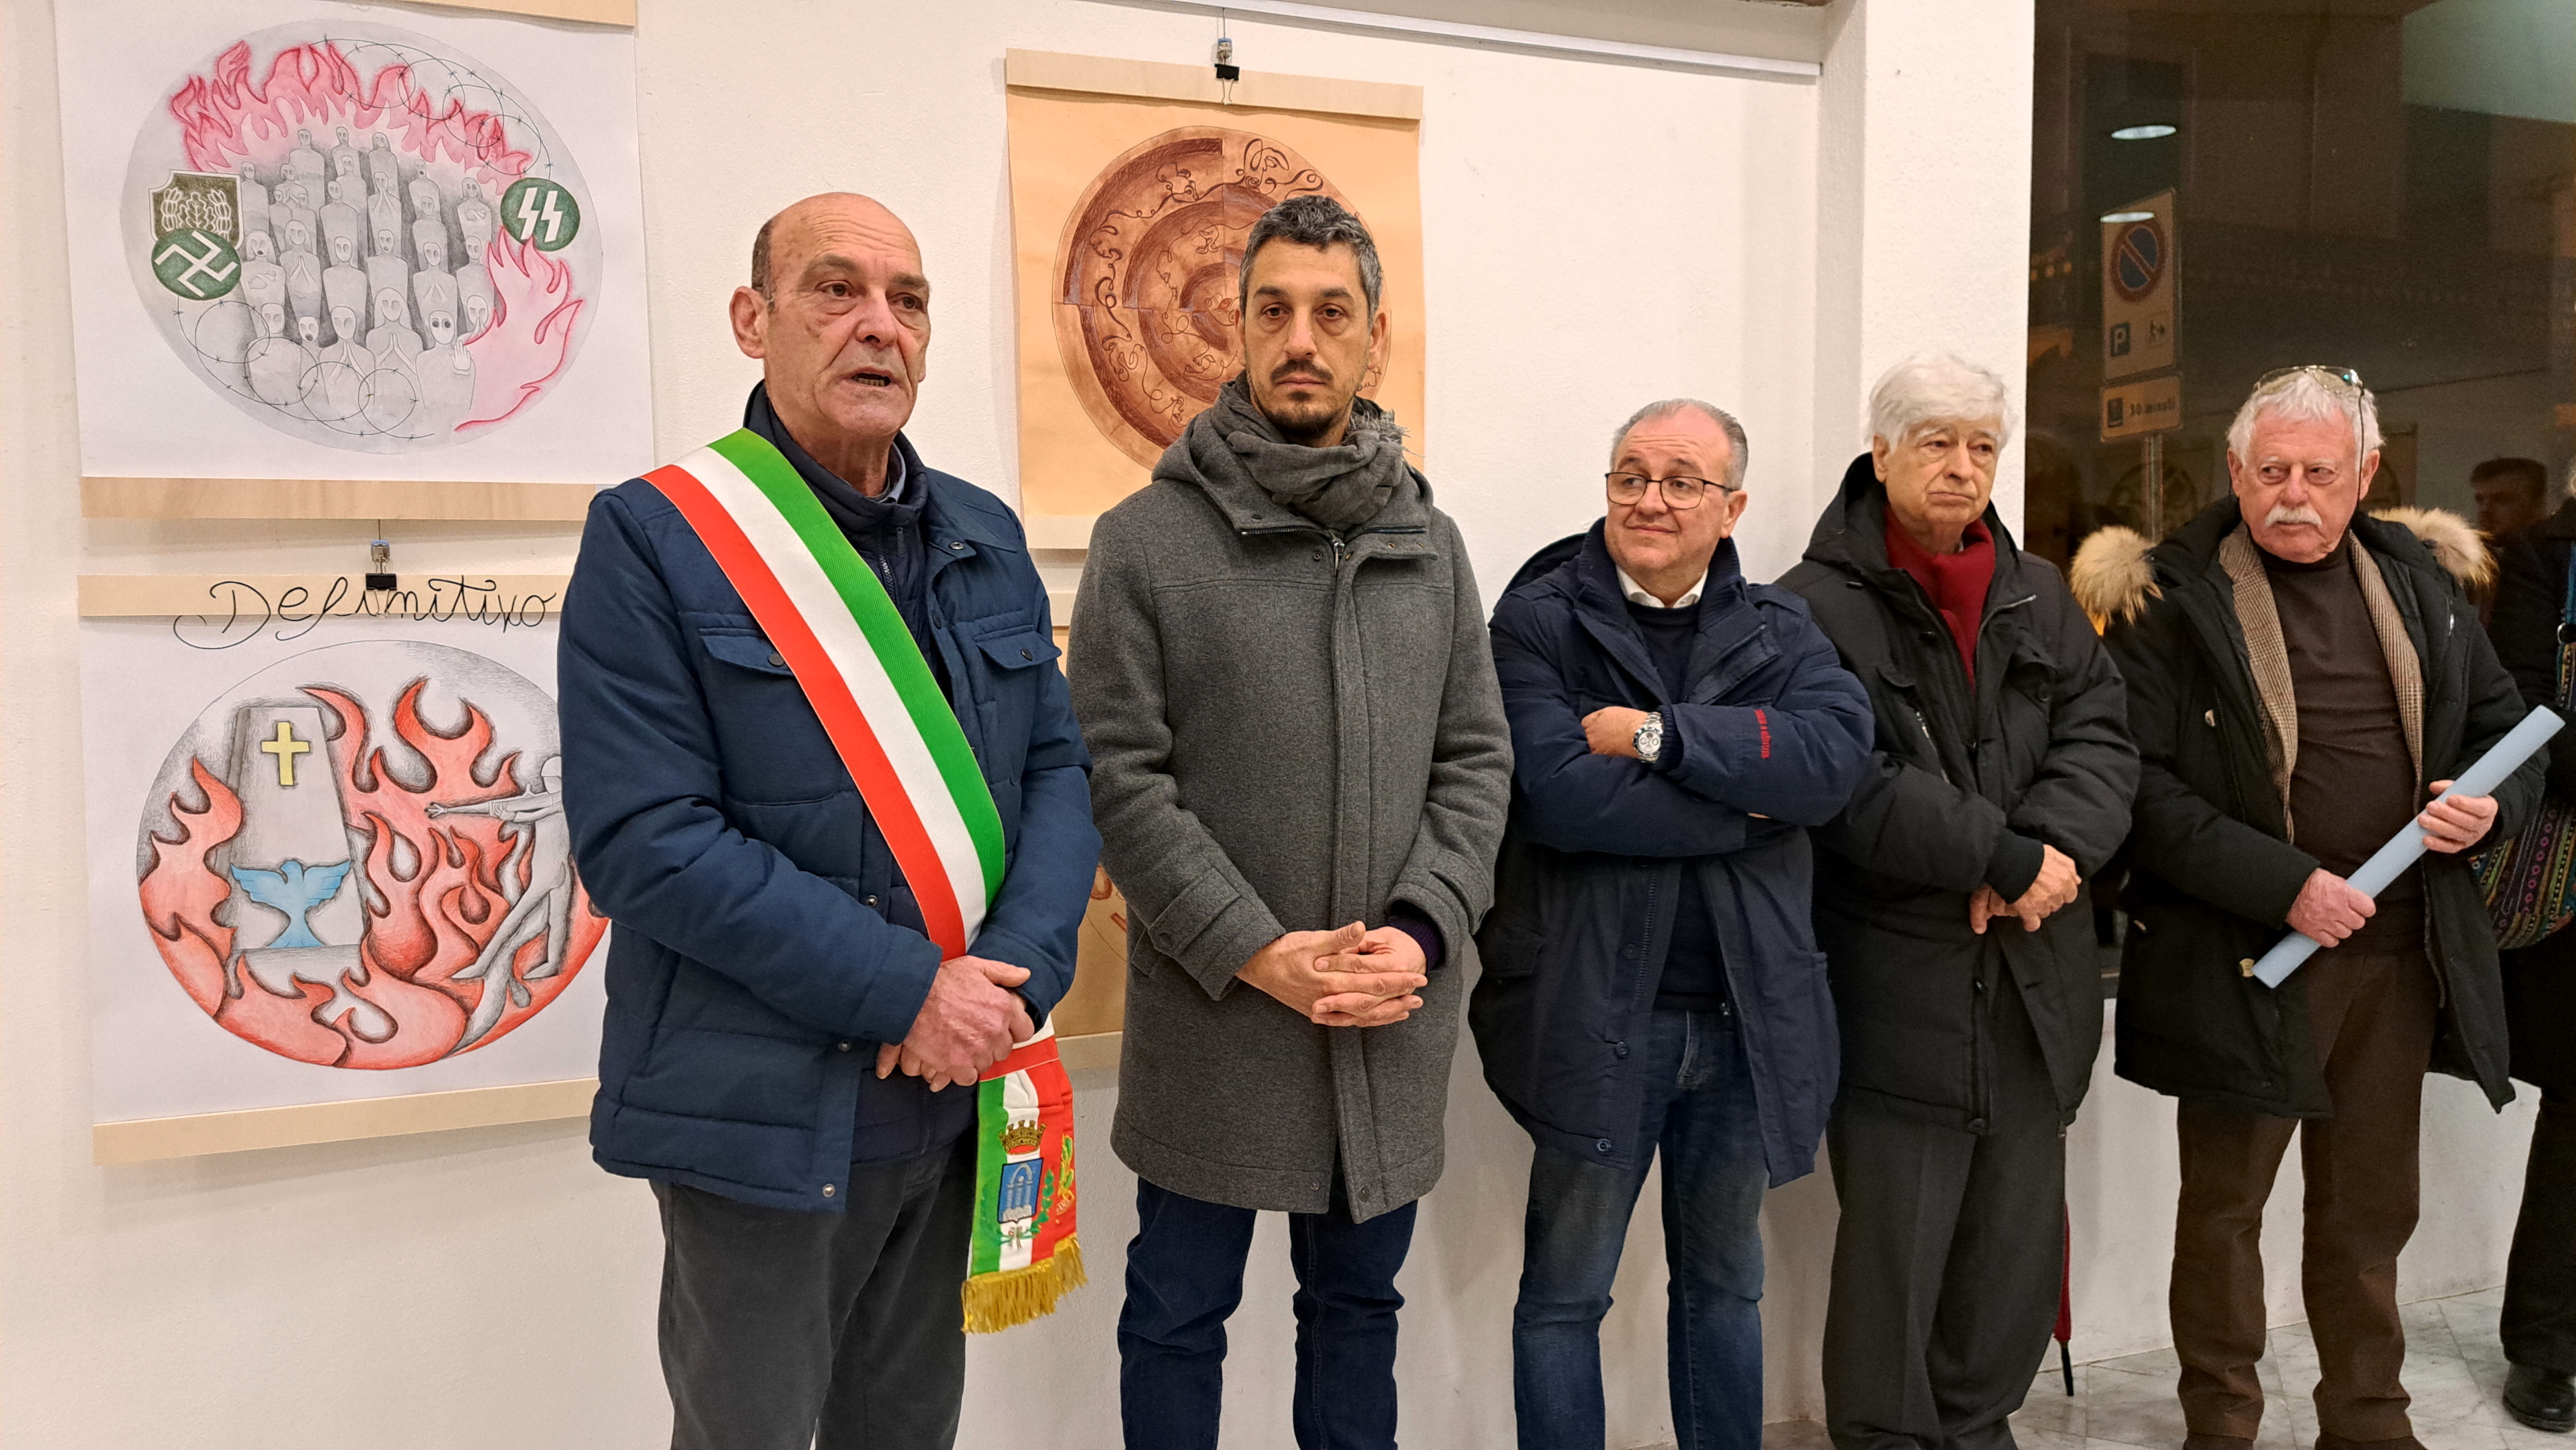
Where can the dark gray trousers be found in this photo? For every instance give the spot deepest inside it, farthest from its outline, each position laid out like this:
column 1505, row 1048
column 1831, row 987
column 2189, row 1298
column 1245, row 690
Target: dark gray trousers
column 1947, row 1264
column 785, row 1330
column 2539, row 1323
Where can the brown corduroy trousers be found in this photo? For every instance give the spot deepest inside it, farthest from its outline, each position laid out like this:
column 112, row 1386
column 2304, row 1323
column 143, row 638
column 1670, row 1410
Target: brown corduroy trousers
column 2373, row 1022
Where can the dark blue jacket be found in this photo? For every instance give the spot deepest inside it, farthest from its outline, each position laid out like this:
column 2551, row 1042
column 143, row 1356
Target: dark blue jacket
column 1772, row 735
column 765, row 942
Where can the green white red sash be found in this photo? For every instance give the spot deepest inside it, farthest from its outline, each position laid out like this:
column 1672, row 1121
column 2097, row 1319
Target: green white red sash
column 833, row 624
column 1025, row 1253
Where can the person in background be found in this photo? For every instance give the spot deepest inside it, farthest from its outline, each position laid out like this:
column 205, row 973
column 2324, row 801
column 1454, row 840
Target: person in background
column 2302, row 678
column 1303, row 773
column 2512, row 495
column 2539, row 1322
column 1650, row 978
column 1948, row 901
column 771, row 967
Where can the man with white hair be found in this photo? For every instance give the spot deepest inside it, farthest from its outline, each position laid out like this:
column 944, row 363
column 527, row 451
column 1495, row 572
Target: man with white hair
column 1947, row 899
column 2302, row 679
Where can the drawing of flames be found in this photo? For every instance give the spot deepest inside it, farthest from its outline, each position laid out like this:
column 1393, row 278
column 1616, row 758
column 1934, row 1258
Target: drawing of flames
column 277, row 111
column 350, row 901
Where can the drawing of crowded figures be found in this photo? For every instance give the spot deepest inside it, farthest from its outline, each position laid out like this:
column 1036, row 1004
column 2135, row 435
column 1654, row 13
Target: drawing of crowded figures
column 331, row 238
column 359, row 287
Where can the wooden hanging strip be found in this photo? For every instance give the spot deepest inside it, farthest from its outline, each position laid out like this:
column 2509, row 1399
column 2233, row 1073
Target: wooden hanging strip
column 253, row 601
column 595, row 12
column 143, row 1139
column 1043, row 70
column 305, row 498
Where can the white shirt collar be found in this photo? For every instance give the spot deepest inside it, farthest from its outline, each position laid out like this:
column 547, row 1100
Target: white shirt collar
column 1637, row 594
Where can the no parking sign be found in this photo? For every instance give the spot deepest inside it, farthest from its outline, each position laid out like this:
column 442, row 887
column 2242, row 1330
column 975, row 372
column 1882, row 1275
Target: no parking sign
column 2139, row 287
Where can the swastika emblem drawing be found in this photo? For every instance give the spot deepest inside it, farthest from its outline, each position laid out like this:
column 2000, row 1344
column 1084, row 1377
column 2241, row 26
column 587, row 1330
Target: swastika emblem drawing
column 196, row 264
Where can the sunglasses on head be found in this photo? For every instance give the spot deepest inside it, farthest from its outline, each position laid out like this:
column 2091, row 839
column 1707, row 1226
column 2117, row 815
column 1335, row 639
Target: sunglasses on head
column 2345, row 376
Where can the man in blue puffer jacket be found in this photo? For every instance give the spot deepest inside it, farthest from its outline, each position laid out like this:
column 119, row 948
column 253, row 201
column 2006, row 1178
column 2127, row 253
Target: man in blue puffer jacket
column 769, row 972
column 1651, row 976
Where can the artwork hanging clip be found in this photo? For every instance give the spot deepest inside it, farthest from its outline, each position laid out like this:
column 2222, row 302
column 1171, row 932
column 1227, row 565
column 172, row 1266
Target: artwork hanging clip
column 1227, row 72
column 380, row 566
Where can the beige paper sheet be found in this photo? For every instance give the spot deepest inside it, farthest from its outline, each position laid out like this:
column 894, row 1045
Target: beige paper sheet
column 1098, row 404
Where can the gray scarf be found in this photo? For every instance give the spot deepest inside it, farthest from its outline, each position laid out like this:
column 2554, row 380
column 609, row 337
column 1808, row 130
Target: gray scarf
column 1341, row 487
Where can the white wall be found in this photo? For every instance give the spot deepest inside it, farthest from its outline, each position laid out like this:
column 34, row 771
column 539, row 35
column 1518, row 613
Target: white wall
column 1596, row 235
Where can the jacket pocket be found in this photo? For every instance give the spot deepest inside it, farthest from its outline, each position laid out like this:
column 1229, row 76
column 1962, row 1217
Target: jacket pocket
column 1904, row 730
column 1005, row 666
column 1509, row 950
column 770, row 745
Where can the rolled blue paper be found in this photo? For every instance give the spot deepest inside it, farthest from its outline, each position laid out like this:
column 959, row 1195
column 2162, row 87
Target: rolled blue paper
column 2407, row 847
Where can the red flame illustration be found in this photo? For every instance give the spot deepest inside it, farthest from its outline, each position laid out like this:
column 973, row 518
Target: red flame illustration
column 226, row 118
column 180, row 895
column 529, row 339
column 436, row 898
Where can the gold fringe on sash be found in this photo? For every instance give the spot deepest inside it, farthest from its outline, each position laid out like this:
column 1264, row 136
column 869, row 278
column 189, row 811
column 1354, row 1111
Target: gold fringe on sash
column 998, row 1301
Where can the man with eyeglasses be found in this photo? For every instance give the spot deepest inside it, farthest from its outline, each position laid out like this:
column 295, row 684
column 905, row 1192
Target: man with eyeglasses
column 1650, row 972
column 1948, row 901
column 2302, row 679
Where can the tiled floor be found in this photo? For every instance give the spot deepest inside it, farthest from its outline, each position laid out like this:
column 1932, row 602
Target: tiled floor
column 2453, row 1368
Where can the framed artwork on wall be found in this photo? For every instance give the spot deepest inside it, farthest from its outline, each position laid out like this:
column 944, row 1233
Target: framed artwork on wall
column 1133, row 185
column 329, row 867
column 331, row 260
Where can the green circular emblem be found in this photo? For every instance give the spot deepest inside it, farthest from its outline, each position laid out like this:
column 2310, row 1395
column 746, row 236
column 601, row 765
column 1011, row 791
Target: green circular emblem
column 196, row 264
column 541, row 213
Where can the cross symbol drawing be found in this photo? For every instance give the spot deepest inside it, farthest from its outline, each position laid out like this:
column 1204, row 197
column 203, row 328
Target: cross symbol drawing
column 285, row 747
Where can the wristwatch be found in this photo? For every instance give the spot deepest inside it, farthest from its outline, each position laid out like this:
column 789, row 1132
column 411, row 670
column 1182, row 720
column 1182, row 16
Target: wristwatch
column 1649, row 738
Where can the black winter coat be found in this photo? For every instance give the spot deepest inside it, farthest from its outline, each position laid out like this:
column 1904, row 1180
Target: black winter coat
column 2540, row 980
column 1592, row 860
column 2212, row 874
column 2041, row 753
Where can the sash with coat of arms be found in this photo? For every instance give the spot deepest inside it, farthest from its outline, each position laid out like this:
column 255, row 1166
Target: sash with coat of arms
column 830, row 618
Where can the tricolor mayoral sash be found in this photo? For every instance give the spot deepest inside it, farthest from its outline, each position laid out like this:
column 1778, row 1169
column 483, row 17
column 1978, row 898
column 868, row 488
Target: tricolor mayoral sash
column 833, row 623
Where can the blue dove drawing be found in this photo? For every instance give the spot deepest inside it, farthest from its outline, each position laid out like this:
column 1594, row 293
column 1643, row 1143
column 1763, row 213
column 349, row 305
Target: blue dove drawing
column 293, row 888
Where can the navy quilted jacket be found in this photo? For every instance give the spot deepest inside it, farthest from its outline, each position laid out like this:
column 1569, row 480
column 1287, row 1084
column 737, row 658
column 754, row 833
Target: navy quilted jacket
column 765, row 942
column 1773, row 735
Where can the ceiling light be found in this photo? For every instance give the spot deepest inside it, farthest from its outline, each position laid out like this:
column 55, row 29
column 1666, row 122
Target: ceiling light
column 2143, row 133
column 2128, row 216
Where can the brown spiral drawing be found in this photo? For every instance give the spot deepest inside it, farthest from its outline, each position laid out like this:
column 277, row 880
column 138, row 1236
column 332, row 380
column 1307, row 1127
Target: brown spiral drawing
column 1145, row 310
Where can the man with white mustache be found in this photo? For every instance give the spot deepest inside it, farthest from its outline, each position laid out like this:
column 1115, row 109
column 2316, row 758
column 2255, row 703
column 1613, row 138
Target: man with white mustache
column 2302, row 679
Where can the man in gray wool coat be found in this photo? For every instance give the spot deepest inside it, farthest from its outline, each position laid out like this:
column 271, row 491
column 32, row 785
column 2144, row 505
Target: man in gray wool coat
column 1302, row 770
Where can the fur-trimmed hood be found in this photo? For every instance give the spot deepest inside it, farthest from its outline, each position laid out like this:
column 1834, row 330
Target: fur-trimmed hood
column 2116, row 572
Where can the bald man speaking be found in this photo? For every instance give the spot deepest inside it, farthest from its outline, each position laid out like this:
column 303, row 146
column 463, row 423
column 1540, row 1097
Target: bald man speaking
column 822, row 773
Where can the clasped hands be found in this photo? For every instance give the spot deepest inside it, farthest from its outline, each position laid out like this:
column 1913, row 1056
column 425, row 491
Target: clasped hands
column 970, row 1020
column 2055, row 886
column 1348, row 977
column 2329, row 908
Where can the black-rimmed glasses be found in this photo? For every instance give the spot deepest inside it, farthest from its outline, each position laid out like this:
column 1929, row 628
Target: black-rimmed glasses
column 1681, row 492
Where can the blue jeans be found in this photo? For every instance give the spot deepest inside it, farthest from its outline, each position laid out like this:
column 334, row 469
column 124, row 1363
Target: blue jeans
column 1184, row 1277
column 1699, row 1112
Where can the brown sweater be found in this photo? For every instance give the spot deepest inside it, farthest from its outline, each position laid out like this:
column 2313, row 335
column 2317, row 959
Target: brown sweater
column 2355, row 785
